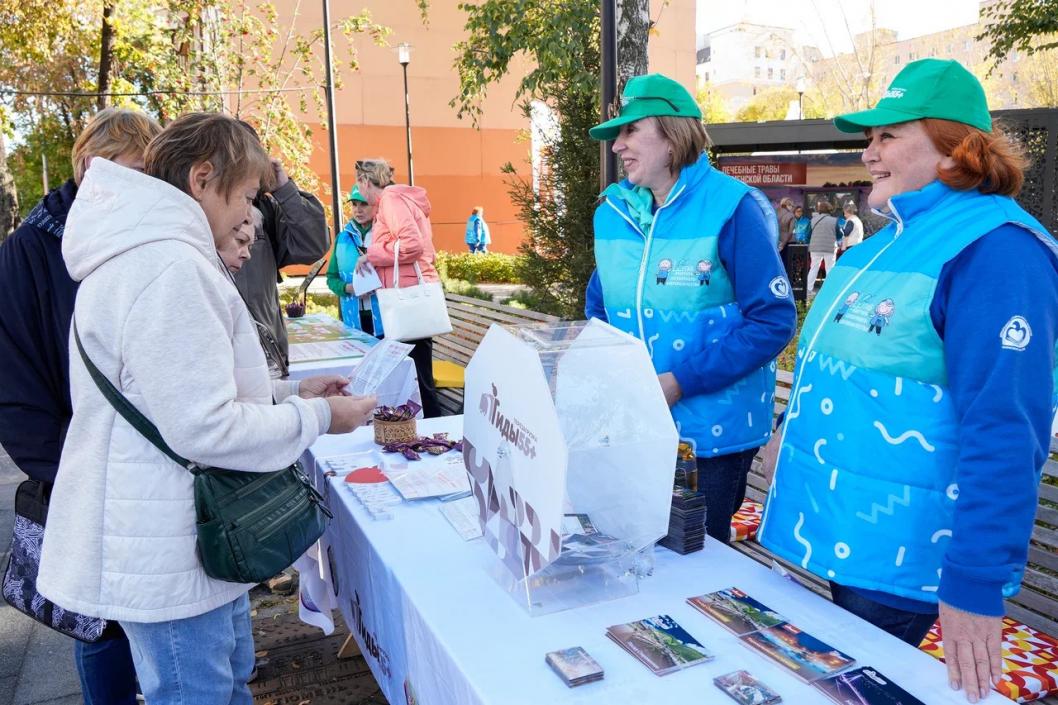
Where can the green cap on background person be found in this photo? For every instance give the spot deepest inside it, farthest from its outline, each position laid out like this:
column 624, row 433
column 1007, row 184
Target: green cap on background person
column 648, row 96
column 355, row 195
column 927, row 88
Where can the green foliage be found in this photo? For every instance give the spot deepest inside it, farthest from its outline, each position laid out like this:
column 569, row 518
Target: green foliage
column 771, row 104
column 24, row 161
column 560, row 40
column 1025, row 25
column 178, row 56
column 493, row 267
column 525, row 300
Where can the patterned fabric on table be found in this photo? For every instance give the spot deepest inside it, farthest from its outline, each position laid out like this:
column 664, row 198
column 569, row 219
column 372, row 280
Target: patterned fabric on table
column 746, row 520
column 1030, row 660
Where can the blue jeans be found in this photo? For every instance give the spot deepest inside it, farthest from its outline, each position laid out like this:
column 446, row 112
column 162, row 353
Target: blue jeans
column 203, row 660
column 108, row 676
column 910, row 627
column 723, row 481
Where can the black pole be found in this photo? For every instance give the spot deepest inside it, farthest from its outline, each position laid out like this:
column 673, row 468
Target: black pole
column 608, row 46
column 336, row 188
column 407, row 125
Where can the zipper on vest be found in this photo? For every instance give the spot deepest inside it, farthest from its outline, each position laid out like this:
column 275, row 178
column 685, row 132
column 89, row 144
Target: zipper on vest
column 643, row 268
column 809, row 348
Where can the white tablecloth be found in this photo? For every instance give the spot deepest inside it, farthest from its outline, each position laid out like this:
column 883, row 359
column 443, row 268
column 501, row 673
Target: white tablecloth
column 429, row 619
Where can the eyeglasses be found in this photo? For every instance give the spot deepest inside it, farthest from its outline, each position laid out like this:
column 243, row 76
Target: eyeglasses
column 614, row 109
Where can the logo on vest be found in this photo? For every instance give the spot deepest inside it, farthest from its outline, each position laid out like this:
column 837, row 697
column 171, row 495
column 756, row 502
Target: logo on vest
column 1016, row 334
column 858, row 310
column 683, row 273
column 780, row 288
column 894, row 93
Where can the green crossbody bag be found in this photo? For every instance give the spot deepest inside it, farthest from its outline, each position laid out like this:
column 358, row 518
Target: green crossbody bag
column 250, row 525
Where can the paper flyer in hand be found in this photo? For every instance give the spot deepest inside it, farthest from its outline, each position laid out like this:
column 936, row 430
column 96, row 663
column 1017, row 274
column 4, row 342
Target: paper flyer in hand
column 377, row 366
column 365, row 280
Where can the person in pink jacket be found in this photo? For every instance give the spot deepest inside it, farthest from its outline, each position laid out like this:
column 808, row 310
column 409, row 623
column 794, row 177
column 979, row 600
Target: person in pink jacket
column 402, row 226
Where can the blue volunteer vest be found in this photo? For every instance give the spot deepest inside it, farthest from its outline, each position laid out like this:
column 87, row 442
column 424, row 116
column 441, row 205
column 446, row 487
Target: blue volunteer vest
column 347, row 252
column 668, row 288
column 864, row 492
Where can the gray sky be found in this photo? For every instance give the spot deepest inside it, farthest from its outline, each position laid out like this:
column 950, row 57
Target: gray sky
column 910, row 18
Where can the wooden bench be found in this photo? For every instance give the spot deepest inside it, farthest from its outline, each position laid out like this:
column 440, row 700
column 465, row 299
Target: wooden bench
column 471, row 319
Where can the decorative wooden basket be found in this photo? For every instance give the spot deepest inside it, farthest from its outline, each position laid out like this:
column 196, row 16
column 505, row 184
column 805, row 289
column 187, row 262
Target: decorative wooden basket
column 395, row 431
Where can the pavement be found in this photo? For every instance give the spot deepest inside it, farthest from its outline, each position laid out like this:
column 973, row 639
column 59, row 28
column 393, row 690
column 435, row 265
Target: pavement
column 297, row 664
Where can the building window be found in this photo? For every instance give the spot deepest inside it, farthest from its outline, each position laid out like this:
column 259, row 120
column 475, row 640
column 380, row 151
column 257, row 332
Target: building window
column 896, row 60
column 910, row 56
column 756, row 72
column 782, row 74
column 707, row 77
column 756, row 52
column 782, row 54
column 771, row 73
column 969, row 45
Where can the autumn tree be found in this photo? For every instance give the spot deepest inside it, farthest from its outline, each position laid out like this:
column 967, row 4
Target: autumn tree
column 1028, row 26
column 166, row 57
column 561, row 39
column 770, row 104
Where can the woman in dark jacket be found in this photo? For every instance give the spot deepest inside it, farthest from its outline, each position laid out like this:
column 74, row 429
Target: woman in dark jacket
column 34, row 334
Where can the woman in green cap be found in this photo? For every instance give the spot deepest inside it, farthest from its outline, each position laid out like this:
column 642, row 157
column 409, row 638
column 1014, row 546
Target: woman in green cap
column 359, row 312
column 687, row 262
column 920, row 414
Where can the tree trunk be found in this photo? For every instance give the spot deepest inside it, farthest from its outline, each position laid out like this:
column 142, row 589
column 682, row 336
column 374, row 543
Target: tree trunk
column 9, row 219
column 105, row 54
column 633, row 29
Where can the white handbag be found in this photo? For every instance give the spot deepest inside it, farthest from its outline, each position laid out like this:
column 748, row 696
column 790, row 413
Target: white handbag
column 414, row 312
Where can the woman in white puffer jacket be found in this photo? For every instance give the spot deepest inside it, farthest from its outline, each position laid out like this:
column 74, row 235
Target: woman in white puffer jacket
column 161, row 319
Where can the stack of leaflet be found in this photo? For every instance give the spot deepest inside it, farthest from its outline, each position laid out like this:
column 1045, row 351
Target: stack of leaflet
column 686, row 522
column 574, row 666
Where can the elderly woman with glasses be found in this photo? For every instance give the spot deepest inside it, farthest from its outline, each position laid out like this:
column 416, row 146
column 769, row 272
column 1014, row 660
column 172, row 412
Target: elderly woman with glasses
column 686, row 262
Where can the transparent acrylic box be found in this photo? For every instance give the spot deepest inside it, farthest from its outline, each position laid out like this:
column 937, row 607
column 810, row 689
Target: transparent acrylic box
column 569, row 445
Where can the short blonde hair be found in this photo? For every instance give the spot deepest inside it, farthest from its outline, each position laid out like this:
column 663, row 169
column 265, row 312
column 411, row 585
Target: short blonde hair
column 233, row 150
column 377, row 171
column 688, row 138
column 112, row 133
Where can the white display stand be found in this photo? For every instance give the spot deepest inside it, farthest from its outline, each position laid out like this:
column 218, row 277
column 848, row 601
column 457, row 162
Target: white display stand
column 568, row 419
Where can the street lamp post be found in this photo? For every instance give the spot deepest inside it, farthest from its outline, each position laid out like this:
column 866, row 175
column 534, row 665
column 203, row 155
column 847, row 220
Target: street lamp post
column 404, row 57
column 332, row 127
column 800, row 98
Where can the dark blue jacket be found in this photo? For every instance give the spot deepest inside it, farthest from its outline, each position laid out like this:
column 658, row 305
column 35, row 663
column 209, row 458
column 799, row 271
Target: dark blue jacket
column 34, row 332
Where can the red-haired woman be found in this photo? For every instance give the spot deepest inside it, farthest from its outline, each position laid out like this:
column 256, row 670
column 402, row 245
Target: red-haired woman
column 921, row 409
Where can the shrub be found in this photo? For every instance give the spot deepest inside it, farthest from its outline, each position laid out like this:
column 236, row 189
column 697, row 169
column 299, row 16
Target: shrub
column 493, row 267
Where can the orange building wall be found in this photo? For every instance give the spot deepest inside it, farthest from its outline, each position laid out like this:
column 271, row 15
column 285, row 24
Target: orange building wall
column 458, row 164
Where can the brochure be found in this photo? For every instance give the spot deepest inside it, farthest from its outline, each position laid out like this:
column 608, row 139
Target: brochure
column 325, row 350
column 736, row 611
column 745, row 689
column 660, row 644
column 462, row 514
column 807, row 657
column 367, row 281
column 865, row 686
column 377, row 365
column 316, row 328
column 574, row 666
column 430, row 479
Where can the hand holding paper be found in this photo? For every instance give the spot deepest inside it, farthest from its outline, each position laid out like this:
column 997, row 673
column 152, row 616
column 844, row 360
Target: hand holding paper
column 377, row 366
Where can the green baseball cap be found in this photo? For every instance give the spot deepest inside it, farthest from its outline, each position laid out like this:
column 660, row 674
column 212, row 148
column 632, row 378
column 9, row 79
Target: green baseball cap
column 355, row 195
column 646, row 96
column 927, row 88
